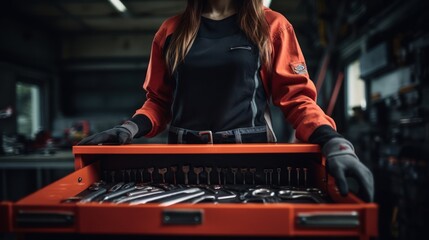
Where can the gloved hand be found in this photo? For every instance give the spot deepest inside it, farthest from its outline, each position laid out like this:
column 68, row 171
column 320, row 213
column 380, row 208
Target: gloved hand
column 122, row 134
column 341, row 161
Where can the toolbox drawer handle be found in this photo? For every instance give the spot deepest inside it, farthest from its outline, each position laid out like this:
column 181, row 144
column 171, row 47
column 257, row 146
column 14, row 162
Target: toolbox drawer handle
column 44, row 219
column 182, row 217
column 348, row 219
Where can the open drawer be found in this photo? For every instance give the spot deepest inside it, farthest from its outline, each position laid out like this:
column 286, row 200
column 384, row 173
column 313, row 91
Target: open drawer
column 261, row 167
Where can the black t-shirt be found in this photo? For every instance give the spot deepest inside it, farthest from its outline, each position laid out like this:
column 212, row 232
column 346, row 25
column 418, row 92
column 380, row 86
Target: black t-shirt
column 218, row 86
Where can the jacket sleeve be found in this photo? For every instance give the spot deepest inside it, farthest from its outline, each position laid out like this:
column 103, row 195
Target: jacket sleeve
column 292, row 89
column 158, row 88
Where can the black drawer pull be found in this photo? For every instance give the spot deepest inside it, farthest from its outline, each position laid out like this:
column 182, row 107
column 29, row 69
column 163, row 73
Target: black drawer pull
column 328, row 219
column 44, row 219
column 182, row 217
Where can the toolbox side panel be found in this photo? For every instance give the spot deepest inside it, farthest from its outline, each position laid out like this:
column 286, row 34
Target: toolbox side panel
column 335, row 195
column 43, row 211
column 83, row 160
column 68, row 186
column 5, row 216
column 371, row 220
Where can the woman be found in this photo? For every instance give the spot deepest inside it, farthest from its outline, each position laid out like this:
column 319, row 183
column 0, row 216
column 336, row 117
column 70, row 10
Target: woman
column 213, row 70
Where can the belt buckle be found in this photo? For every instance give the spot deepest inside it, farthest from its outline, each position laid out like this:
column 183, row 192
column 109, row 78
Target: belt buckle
column 209, row 133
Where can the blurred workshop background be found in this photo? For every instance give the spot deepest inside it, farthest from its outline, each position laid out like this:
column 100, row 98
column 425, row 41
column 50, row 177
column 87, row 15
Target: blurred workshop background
column 69, row 68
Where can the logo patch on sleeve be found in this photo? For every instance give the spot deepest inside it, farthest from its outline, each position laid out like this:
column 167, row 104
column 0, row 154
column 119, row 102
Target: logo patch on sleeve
column 299, row 68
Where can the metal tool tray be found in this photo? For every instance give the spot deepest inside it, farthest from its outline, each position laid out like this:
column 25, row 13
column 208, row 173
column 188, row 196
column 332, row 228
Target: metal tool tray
column 44, row 212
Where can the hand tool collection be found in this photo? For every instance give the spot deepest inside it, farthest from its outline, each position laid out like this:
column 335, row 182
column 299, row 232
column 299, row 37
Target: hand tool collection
column 186, row 184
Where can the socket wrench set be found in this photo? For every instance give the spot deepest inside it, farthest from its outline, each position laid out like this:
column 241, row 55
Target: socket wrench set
column 266, row 190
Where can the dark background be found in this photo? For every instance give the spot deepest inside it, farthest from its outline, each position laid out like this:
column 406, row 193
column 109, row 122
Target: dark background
column 89, row 62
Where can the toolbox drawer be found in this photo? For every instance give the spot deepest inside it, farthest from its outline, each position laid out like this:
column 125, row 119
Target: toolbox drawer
column 46, row 212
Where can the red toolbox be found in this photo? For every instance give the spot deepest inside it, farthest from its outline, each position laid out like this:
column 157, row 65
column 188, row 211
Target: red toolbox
column 269, row 181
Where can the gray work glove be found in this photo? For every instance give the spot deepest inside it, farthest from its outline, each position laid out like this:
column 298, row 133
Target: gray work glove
column 122, row 134
column 341, row 161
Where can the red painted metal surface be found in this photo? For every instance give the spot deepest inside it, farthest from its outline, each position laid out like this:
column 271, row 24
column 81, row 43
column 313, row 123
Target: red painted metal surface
column 197, row 149
column 5, row 216
column 217, row 219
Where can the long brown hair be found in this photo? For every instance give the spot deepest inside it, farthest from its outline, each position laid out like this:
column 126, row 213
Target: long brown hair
column 251, row 19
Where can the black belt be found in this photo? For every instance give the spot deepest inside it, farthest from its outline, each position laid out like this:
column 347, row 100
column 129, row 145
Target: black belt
column 239, row 135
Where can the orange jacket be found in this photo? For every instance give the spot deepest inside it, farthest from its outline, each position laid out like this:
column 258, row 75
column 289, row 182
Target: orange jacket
column 288, row 84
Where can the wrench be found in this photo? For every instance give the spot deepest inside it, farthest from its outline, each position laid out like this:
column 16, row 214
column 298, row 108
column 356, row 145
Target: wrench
column 182, row 198
column 128, row 187
column 89, row 197
column 141, row 170
column 197, row 171
column 208, row 171
column 270, row 171
column 229, row 195
column 162, row 172
column 135, row 174
column 96, row 185
column 134, row 197
column 123, row 175
column 288, row 195
column 289, row 169
column 205, row 197
column 219, row 170
column 297, row 177
column 96, row 189
column 266, row 176
column 305, row 177
column 150, row 171
column 220, row 192
column 147, row 199
column 174, row 170
column 224, row 171
column 140, row 189
column 243, row 172
column 185, row 170
column 116, row 187
column 234, row 173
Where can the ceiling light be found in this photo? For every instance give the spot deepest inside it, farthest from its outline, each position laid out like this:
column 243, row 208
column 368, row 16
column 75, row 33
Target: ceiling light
column 118, row 5
column 267, row 3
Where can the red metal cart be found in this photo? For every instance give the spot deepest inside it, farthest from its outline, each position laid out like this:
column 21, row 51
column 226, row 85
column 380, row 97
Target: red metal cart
column 45, row 212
